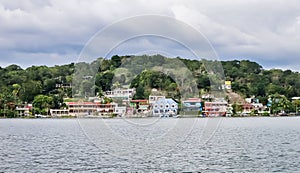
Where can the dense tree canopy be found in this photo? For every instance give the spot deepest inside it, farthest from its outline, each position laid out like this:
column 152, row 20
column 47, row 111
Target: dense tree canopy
column 19, row 86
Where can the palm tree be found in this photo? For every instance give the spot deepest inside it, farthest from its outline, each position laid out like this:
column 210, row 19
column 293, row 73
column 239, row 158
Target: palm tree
column 280, row 103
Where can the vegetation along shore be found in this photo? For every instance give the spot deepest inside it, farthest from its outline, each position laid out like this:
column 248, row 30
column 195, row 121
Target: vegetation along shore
column 250, row 90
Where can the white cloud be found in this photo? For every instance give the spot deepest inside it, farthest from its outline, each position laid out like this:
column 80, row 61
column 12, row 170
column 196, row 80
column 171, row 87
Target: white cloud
column 225, row 35
column 266, row 31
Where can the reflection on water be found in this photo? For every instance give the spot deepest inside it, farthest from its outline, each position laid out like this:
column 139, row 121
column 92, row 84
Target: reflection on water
column 208, row 145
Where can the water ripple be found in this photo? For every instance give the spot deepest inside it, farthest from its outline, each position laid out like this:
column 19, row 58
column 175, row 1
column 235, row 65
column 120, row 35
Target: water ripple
column 238, row 145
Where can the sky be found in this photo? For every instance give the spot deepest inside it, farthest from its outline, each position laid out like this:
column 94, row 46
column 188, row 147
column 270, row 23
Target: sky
column 54, row 32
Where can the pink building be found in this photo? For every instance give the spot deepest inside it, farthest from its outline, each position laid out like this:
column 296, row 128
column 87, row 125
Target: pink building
column 215, row 109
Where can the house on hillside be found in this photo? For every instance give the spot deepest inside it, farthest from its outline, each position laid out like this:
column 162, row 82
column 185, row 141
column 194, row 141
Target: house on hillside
column 227, row 85
column 124, row 94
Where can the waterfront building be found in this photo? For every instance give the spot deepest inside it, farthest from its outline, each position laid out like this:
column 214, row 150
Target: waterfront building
column 139, row 105
column 165, row 107
column 215, row 108
column 247, row 108
column 23, row 110
column 90, row 108
column 192, row 105
column 120, row 110
column 59, row 112
column 254, row 108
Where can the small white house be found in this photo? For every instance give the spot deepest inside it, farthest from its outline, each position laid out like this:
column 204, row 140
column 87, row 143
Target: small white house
column 165, row 107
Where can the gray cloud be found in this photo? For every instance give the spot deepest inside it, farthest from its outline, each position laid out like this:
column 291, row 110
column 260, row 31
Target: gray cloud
column 54, row 31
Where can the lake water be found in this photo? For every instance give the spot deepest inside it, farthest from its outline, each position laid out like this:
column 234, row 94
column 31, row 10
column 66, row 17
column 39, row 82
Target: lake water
column 150, row 145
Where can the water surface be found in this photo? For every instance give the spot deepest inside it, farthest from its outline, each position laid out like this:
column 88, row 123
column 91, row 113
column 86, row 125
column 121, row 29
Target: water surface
column 208, row 145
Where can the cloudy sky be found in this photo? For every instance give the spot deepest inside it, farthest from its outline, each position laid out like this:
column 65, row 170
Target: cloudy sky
column 49, row 32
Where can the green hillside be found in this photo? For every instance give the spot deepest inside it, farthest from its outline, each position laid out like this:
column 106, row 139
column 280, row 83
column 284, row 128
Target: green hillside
column 169, row 75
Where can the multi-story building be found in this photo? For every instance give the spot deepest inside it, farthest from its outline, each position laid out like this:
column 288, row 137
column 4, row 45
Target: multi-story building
column 124, row 94
column 90, row 108
column 192, row 105
column 215, row 108
column 165, row 107
column 139, row 105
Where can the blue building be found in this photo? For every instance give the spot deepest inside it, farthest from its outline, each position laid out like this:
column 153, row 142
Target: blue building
column 192, row 104
column 165, row 107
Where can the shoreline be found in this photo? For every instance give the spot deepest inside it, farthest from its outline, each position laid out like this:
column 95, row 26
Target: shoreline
column 133, row 117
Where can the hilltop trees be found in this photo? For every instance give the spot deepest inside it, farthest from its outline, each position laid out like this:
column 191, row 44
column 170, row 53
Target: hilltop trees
column 19, row 86
column 173, row 77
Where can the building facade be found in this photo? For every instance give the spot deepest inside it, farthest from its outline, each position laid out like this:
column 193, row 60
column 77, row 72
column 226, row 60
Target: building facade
column 59, row 112
column 124, row 94
column 165, row 107
column 191, row 105
column 215, row 109
column 139, row 105
column 90, row 108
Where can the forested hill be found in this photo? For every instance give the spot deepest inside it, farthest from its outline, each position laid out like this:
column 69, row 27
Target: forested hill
column 248, row 78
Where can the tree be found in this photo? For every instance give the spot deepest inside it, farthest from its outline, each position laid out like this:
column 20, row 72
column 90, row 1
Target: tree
column 104, row 80
column 236, row 108
column 280, row 104
column 7, row 104
column 43, row 103
column 16, row 90
column 139, row 93
column 29, row 90
column 116, row 61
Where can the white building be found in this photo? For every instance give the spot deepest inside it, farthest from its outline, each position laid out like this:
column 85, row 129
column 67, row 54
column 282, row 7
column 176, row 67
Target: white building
column 120, row 110
column 124, row 94
column 165, row 107
column 59, row 112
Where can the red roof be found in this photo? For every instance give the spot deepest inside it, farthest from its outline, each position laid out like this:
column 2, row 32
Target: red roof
column 80, row 103
column 136, row 101
column 87, row 103
column 193, row 100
